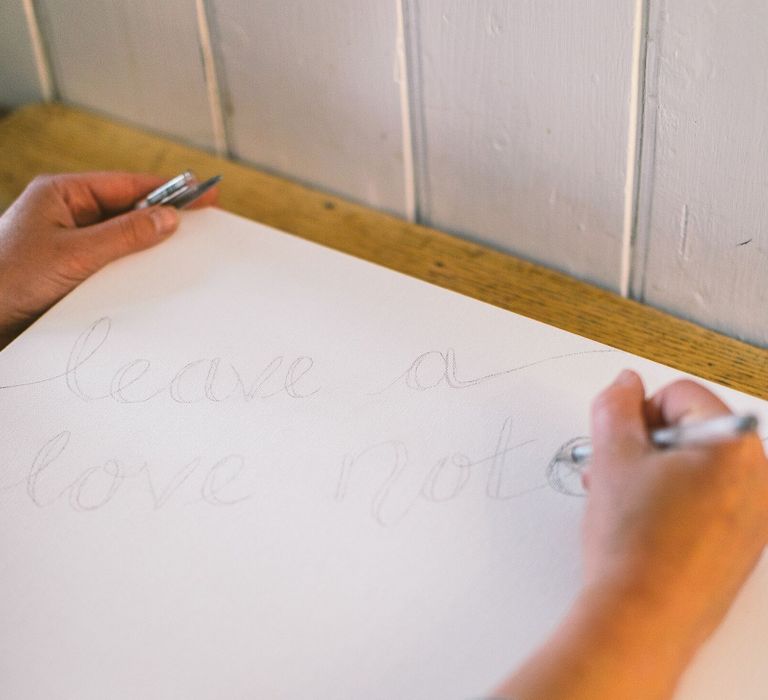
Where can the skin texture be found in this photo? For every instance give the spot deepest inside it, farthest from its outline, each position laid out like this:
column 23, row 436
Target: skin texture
column 63, row 228
column 669, row 538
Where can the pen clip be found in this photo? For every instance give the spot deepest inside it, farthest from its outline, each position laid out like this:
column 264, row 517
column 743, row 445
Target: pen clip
column 168, row 190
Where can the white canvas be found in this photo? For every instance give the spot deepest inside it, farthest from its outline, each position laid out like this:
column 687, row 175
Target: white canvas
column 241, row 465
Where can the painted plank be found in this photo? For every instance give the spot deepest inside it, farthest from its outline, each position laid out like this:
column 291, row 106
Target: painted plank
column 19, row 82
column 310, row 93
column 139, row 62
column 704, row 249
column 525, row 112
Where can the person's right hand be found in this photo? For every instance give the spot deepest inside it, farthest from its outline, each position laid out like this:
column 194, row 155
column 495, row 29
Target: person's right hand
column 680, row 528
column 669, row 537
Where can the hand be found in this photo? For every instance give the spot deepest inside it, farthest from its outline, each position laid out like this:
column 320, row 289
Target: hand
column 669, row 537
column 679, row 528
column 63, row 228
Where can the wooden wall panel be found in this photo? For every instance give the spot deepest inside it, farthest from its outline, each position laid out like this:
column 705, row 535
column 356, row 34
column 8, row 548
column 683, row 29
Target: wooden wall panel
column 19, row 82
column 310, row 92
column 525, row 112
column 703, row 249
column 138, row 61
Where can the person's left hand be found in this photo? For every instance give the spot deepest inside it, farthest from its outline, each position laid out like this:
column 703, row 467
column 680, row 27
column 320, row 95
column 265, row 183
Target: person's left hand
column 63, row 228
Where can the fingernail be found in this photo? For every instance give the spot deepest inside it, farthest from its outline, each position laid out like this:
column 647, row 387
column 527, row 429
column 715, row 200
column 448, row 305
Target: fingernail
column 626, row 376
column 165, row 219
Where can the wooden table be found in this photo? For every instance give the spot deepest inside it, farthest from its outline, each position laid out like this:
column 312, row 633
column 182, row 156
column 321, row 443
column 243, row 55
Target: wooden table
column 54, row 138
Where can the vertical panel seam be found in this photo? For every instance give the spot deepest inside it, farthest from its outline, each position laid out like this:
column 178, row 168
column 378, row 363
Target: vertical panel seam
column 213, row 91
column 406, row 122
column 42, row 64
column 647, row 155
column 412, row 110
column 634, row 143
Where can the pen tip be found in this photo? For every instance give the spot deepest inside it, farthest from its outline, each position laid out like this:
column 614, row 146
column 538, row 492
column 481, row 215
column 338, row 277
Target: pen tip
column 748, row 423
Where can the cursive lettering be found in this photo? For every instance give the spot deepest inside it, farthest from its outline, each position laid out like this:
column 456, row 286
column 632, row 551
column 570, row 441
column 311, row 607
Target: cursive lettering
column 92, row 488
column 197, row 380
column 444, row 481
column 434, row 368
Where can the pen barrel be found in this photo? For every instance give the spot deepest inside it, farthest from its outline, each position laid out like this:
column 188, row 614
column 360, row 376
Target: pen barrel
column 718, row 429
column 713, row 430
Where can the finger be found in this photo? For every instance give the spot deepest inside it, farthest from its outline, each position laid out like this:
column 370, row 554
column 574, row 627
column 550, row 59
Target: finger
column 102, row 243
column 93, row 196
column 684, row 401
column 619, row 429
column 586, row 479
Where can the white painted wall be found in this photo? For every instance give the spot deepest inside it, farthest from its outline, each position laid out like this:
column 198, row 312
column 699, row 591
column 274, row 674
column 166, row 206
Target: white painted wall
column 702, row 247
column 138, row 61
column 309, row 92
column 524, row 131
column 506, row 121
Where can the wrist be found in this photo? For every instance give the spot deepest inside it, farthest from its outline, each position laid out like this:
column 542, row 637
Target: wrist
column 614, row 643
column 638, row 620
column 646, row 603
column 627, row 634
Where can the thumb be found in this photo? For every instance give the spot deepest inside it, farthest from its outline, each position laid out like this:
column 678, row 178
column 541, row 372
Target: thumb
column 619, row 431
column 128, row 233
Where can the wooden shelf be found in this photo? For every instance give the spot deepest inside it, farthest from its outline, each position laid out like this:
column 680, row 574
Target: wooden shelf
column 55, row 138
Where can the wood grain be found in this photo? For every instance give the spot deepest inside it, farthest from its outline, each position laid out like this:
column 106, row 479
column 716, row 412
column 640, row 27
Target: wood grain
column 53, row 138
column 18, row 74
column 139, row 62
column 702, row 249
column 525, row 116
column 311, row 93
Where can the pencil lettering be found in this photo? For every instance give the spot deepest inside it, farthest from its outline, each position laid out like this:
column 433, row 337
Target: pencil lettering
column 447, row 479
column 435, row 368
column 201, row 379
column 47, row 454
column 223, row 483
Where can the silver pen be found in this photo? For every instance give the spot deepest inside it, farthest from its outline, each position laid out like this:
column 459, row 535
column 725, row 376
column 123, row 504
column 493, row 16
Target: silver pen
column 705, row 432
column 178, row 192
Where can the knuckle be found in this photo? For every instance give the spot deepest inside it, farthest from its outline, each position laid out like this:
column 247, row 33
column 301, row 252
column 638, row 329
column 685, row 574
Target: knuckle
column 42, row 182
column 77, row 261
column 42, row 179
column 72, row 258
column 132, row 232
